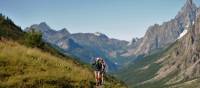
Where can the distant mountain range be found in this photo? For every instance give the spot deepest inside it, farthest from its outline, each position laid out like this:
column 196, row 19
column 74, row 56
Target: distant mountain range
column 90, row 45
column 167, row 56
column 116, row 52
column 86, row 46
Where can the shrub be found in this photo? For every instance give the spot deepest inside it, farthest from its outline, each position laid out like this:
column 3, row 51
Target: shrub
column 33, row 39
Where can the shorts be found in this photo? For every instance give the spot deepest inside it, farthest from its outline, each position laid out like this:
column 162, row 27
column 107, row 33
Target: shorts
column 97, row 74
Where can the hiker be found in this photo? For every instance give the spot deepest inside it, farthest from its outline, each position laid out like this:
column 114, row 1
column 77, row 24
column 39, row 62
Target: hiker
column 97, row 67
column 103, row 70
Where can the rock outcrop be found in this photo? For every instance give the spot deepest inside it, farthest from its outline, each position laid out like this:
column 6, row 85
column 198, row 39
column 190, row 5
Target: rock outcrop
column 159, row 36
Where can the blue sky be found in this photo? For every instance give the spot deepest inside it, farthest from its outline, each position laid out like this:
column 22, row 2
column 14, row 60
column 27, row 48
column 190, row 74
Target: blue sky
column 121, row 19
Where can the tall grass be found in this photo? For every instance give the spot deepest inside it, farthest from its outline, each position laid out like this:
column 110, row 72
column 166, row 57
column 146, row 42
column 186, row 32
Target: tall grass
column 23, row 67
column 30, row 67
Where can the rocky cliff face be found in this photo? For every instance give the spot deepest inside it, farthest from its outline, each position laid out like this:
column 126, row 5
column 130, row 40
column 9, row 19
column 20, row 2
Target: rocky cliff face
column 177, row 66
column 185, row 58
column 159, row 36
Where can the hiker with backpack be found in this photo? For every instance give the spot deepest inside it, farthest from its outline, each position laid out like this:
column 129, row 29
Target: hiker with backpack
column 99, row 70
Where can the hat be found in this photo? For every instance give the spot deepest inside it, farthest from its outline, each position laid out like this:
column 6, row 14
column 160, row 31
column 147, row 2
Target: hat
column 97, row 58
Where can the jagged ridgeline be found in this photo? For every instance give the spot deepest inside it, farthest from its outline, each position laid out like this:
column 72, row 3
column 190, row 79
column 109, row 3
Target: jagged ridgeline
column 28, row 62
column 175, row 66
column 84, row 45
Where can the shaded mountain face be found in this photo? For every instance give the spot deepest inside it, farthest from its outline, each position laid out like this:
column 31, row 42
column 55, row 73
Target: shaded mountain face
column 177, row 66
column 82, row 45
column 159, row 36
column 131, row 47
column 184, row 60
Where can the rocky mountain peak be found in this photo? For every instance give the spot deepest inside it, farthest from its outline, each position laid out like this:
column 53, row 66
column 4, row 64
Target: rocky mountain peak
column 134, row 40
column 189, row 5
column 64, row 31
column 99, row 34
column 43, row 25
column 188, row 11
column 159, row 36
column 189, row 2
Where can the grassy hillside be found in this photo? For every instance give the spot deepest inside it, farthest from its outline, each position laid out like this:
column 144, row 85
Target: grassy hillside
column 26, row 67
column 144, row 69
column 188, row 84
column 9, row 29
column 27, row 64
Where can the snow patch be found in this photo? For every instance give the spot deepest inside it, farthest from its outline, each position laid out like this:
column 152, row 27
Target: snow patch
column 60, row 43
column 63, row 45
column 193, row 23
column 183, row 34
column 97, row 34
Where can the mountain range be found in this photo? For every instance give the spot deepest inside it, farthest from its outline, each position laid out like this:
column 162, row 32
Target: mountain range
column 86, row 46
column 166, row 56
column 177, row 65
column 89, row 45
column 159, row 36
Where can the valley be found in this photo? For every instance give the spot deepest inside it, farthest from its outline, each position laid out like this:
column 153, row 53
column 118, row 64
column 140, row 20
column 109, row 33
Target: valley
column 39, row 56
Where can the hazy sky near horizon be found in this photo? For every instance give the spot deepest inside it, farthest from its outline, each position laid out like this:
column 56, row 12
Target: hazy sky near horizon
column 121, row 19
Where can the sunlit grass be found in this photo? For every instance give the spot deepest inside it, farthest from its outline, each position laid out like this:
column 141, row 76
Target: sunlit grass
column 25, row 67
